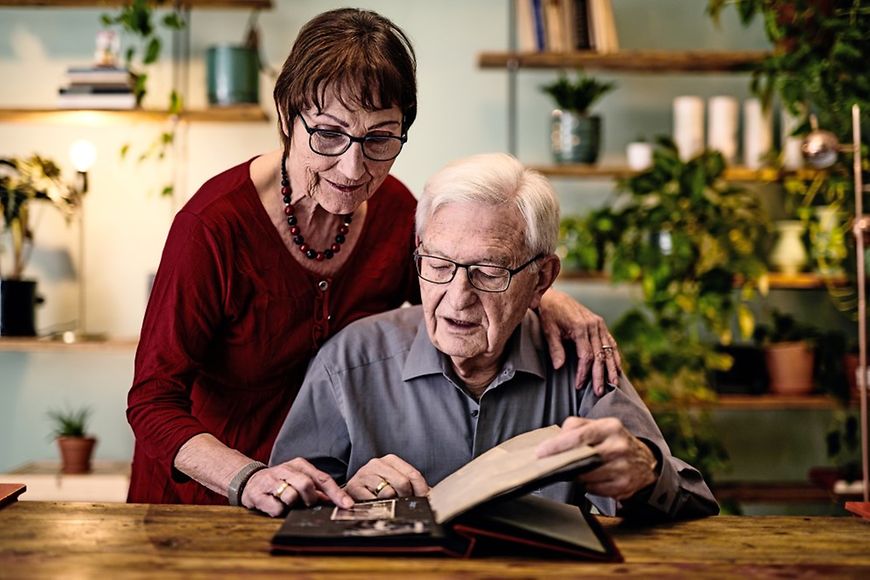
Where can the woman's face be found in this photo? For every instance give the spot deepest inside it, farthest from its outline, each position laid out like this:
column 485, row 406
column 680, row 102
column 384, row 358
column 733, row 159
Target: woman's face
column 340, row 184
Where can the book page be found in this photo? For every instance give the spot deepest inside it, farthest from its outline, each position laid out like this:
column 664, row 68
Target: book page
column 501, row 469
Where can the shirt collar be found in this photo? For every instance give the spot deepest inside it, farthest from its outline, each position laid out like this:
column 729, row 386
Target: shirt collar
column 526, row 352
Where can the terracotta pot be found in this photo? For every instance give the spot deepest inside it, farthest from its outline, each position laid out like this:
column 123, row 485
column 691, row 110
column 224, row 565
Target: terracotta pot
column 790, row 366
column 75, row 453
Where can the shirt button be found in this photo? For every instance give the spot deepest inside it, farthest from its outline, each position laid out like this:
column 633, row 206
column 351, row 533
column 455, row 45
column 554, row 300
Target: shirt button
column 475, row 413
column 323, row 285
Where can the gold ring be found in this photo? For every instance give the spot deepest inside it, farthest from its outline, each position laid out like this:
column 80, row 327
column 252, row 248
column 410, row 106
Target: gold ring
column 384, row 483
column 281, row 488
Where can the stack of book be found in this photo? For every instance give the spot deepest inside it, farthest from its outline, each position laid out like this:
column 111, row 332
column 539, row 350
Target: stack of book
column 97, row 87
column 566, row 26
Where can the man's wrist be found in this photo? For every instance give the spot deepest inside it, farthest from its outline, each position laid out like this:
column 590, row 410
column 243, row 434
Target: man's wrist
column 237, row 485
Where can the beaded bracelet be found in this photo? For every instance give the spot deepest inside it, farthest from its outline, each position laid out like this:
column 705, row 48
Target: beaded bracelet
column 240, row 479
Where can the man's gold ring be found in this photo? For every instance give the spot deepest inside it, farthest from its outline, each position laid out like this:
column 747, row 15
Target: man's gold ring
column 281, row 488
column 384, row 483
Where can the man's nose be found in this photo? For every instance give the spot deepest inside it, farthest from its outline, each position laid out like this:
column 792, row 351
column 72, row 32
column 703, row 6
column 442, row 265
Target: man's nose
column 460, row 292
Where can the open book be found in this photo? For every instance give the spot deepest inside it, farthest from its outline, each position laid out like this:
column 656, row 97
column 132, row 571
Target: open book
column 480, row 508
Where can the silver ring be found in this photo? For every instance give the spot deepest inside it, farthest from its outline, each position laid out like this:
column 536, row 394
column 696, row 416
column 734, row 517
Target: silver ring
column 606, row 347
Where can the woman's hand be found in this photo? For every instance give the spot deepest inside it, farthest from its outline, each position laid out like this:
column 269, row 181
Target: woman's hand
column 627, row 464
column 563, row 317
column 386, row 477
column 277, row 488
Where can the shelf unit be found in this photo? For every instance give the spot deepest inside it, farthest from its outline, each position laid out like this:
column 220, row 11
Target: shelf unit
column 233, row 114
column 734, row 173
column 633, row 61
column 775, row 280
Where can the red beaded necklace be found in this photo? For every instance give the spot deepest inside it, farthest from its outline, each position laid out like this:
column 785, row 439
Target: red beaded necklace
column 298, row 239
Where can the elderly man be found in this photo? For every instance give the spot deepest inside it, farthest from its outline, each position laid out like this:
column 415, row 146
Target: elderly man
column 398, row 401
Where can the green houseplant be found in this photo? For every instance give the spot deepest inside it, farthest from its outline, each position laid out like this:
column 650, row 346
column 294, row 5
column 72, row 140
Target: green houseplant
column 70, row 430
column 23, row 181
column 138, row 19
column 688, row 239
column 575, row 135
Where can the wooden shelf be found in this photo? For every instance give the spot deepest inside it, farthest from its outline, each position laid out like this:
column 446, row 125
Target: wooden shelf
column 773, row 492
column 235, row 114
column 735, row 173
column 639, row 61
column 198, row 4
column 10, row 344
column 776, row 280
column 775, row 402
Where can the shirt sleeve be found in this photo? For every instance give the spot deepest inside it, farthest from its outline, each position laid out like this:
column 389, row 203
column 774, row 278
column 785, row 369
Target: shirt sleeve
column 183, row 312
column 315, row 428
column 680, row 491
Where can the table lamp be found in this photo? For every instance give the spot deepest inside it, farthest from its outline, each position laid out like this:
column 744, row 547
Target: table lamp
column 82, row 154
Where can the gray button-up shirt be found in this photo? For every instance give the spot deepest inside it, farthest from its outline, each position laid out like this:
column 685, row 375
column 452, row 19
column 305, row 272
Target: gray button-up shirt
column 380, row 387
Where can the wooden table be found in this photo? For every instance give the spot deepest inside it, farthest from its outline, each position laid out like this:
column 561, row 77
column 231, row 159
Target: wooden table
column 88, row 540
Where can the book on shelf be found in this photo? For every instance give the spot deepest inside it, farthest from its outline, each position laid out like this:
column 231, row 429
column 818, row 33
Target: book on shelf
column 566, row 25
column 98, row 75
column 120, row 101
column 482, row 508
column 602, row 26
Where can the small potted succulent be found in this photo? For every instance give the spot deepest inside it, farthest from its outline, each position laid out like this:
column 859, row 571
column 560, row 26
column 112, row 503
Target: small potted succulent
column 71, row 433
column 575, row 135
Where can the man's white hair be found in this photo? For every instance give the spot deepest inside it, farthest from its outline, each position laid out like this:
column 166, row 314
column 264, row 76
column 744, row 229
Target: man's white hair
column 494, row 179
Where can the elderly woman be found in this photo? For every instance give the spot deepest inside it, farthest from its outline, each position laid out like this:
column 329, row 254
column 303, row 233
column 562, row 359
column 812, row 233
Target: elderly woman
column 272, row 257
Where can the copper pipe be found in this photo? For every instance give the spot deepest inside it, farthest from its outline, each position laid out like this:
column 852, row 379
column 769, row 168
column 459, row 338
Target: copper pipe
column 859, row 228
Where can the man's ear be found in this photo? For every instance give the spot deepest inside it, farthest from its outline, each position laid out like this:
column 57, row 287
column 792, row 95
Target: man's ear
column 548, row 269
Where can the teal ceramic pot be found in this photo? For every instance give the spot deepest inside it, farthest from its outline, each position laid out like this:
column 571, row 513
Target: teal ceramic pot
column 18, row 308
column 575, row 138
column 233, row 75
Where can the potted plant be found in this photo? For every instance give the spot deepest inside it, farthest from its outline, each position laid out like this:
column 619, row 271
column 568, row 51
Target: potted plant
column 575, row 135
column 687, row 238
column 76, row 446
column 789, row 353
column 23, row 180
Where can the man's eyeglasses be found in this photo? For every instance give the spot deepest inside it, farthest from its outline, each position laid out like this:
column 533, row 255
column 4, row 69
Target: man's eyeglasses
column 332, row 143
column 482, row 276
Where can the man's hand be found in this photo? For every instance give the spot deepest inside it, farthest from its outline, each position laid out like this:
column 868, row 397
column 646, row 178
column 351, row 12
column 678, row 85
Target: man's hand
column 386, row 477
column 277, row 488
column 563, row 317
column 628, row 464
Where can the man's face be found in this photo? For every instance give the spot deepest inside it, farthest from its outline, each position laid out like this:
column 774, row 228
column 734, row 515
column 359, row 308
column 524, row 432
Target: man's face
column 464, row 322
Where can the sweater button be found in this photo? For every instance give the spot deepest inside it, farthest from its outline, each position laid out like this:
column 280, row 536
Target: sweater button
column 323, row 285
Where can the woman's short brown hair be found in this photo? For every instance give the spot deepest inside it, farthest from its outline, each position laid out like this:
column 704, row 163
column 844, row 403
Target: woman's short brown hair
column 366, row 59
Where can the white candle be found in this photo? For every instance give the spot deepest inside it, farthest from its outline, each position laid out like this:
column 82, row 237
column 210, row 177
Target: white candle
column 757, row 133
column 792, row 158
column 689, row 126
column 722, row 126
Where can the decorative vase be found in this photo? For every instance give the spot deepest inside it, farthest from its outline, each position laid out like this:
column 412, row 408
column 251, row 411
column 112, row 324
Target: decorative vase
column 828, row 241
column 790, row 368
column 75, row 453
column 788, row 254
column 689, row 125
column 233, row 75
column 574, row 138
column 18, row 302
column 722, row 126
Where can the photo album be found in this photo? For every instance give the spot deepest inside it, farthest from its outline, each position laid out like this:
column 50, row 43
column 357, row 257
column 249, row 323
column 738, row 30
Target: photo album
column 483, row 508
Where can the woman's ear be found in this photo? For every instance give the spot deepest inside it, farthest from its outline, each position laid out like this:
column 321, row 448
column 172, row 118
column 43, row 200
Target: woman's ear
column 285, row 128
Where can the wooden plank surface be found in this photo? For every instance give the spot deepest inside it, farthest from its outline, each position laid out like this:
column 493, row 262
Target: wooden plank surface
column 43, row 539
column 639, row 61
